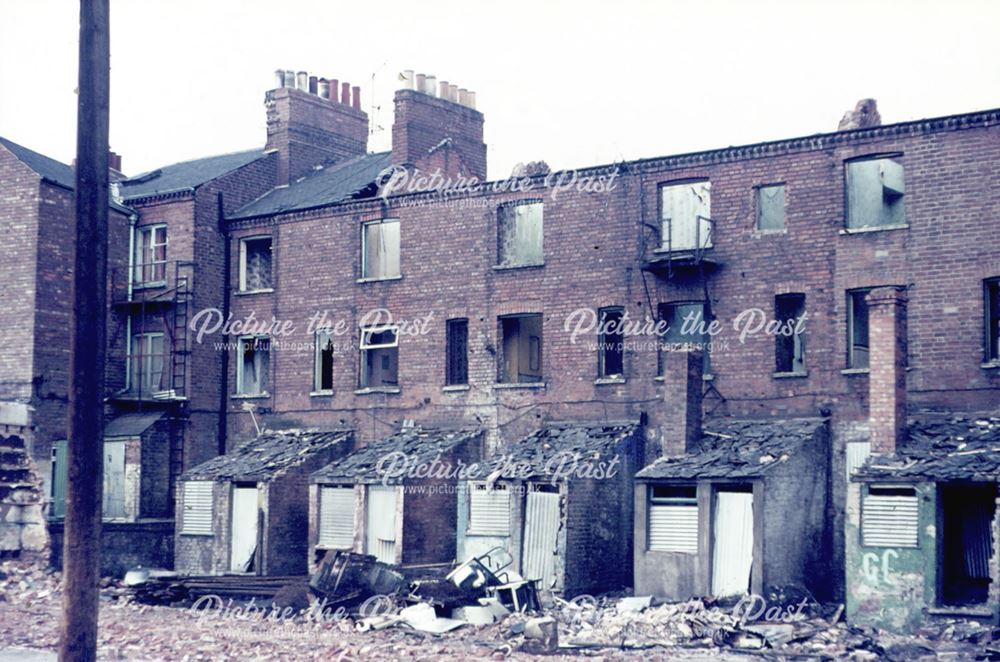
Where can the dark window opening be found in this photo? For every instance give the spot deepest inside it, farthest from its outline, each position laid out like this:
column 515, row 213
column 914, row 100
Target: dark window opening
column 771, row 208
column 857, row 329
column 675, row 494
column 520, row 349
column 457, row 359
column 992, row 291
column 789, row 343
column 324, row 361
column 966, row 543
column 686, row 324
column 252, row 369
column 611, row 343
column 256, row 269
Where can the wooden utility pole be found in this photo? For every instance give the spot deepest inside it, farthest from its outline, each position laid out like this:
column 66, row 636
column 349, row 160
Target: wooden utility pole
column 81, row 550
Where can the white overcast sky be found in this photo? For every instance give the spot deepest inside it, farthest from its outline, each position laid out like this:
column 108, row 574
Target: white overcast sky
column 572, row 83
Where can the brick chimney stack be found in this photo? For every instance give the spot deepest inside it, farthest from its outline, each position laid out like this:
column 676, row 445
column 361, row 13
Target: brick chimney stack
column 437, row 127
column 864, row 115
column 309, row 124
column 887, row 367
column 682, row 395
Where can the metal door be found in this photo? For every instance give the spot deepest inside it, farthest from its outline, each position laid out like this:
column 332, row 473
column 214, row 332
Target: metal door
column 381, row 525
column 541, row 526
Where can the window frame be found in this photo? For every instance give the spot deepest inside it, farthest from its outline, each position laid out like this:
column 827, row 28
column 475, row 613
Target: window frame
column 502, row 260
column 365, row 275
column 456, row 375
column 699, row 221
column 898, row 197
column 493, row 488
column 139, row 250
column 759, row 208
column 243, row 262
column 602, row 342
column 364, row 347
column 850, row 317
column 705, row 342
column 131, row 376
column 265, row 383
column 884, row 491
column 991, row 320
column 318, row 358
column 535, row 349
column 797, row 339
column 687, row 502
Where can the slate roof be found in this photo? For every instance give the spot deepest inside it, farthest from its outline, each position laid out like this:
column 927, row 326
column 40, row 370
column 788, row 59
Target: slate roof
column 410, row 447
column 341, row 181
column 50, row 170
column 739, row 449
column 187, row 175
column 131, row 425
column 942, row 447
column 557, row 449
column 270, row 455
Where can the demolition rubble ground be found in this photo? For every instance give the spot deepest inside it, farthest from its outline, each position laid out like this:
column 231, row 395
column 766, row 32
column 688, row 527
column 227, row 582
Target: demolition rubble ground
column 606, row 628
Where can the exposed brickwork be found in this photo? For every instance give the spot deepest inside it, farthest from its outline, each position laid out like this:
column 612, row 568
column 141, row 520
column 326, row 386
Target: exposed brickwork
column 887, row 378
column 422, row 122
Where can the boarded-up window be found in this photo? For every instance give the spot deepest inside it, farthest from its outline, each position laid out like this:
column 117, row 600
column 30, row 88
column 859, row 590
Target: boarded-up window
column 520, row 235
column 889, row 517
column 380, row 249
column 673, row 519
column 336, row 517
column 196, row 517
column 457, row 360
column 857, row 329
column 771, row 208
column 253, row 365
column 611, row 343
column 875, row 193
column 789, row 342
column 489, row 509
column 255, row 264
column 686, row 215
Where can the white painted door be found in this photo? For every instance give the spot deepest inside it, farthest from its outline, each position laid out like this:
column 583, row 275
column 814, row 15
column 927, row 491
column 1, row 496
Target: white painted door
column 114, row 479
column 541, row 526
column 244, row 525
column 733, row 550
column 381, row 524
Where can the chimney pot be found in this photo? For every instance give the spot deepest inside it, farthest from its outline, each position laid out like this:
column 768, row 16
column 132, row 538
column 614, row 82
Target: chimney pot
column 408, row 79
column 421, row 83
column 453, row 93
column 443, row 89
column 313, row 85
column 356, row 95
column 289, row 78
column 279, row 76
column 345, row 93
column 323, row 86
column 303, row 81
column 431, row 85
column 114, row 161
column 463, row 96
column 334, row 90
column 472, row 99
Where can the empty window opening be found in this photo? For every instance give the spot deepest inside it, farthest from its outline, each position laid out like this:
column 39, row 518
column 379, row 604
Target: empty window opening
column 686, row 324
column 789, row 342
column 771, row 208
column 673, row 519
column 255, row 264
column 875, row 193
column 889, row 516
column 966, row 545
column 323, row 375
column 686, row 216
column 520, row 234
column 253, row 365
column 380, row 249
column 857, row 329
column 146, row 361
column 992, row 319
column 611, row 343
column 521, row 349
column 457, row 357
column 489, row 509
column 149, row 261
column 379, row 357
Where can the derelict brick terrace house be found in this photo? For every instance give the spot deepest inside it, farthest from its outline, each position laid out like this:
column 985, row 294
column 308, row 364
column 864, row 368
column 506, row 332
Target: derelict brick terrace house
column 812, row 226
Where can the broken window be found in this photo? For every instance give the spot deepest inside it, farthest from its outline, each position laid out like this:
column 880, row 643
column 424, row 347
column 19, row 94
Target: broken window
column 992, row 319
column 521, row 349
column 255, row 264
column 519, row 234
column 673, row 519
column 379, row 357
column 789, row 345
column 966, row 546
column 457, row 359
column 686, row 324
column 196, row 515
column 149, row 258
column 146, row 363
column 489, row 509
column 380, row 249
column 113, row 505
column 336, row 517
column 889, row 516
column 323, row 369
column 771, row 208
column 611, row 343
column 857, row 329
column 875, row 193
column 686, row 215
column 252, row 365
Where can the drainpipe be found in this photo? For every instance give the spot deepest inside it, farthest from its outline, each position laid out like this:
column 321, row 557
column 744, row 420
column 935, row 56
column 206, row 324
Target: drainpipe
column 226, row 259
column 133, row 218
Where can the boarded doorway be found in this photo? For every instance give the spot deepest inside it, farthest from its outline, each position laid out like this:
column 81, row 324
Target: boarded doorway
column 732, row 556
column 381, row 525
column 541, row 526
column 966, row 544
column 244, row 526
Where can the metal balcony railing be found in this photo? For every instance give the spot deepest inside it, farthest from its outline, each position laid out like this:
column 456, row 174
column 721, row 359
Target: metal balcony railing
column 161, row 282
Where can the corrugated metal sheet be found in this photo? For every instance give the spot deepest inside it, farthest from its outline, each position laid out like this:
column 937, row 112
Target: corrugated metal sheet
column 541, row 526
column 857, row 453
column 732, row 560
column 673, row 528
column 889, row 521
column 977, row 539
column 197, row 515
column 336, row 517
column 489, row 510
column 382, row 522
